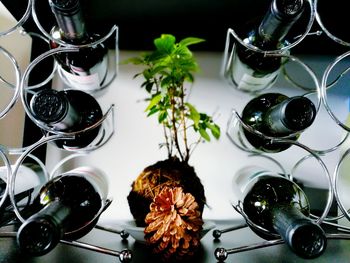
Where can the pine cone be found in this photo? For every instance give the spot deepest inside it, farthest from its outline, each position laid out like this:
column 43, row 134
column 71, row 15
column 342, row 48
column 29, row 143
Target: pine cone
column 173, row 223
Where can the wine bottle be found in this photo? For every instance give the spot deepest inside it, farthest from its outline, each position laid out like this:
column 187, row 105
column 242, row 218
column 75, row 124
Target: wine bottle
column 277, row 115
column 67, row 207
column 68, row 111
column 86, row 69
column 280, row 207
column 253, row 71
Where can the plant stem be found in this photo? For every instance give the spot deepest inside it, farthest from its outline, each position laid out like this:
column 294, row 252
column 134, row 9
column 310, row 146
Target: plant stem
column 168, row 145
column 173, row 120
column 183, row 120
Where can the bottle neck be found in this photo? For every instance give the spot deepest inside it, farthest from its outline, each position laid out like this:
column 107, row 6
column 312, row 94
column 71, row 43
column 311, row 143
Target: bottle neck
column 41, row 232
column 53, row 108
column 70, row 20
column 291, row 115
column 278, row 21
column 306, row 238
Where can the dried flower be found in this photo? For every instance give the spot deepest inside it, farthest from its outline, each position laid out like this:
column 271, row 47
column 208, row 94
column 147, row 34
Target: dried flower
column 173, row 223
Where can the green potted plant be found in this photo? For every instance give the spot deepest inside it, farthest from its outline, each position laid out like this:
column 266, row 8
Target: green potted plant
column 168, row 198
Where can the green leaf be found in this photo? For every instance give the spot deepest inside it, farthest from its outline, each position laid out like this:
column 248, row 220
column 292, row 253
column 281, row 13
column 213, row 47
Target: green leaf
column 190, row 41
column 204, row 134
column 152, row 111
column 215, row 130
column 194, row 114
column 155, row 99
column 165, row 43
column 162, row 116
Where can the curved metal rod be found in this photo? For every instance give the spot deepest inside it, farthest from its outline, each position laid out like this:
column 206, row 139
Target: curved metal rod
column 335, row 185
column 54, row 171
column 8, row 174
column 239, row 209
column 24, row 88
column 55, row 66
column 104, row 203
column 104, row 138
column 18, row 163
column 324, row 90
column 333, row 83
column 22, row 20
column 17, row 86
column 326, row 173
column 328, row 33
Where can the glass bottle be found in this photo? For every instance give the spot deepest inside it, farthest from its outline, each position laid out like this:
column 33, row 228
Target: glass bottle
column 68, row 111
column 276, row 206
column 253, row 71
column 277, row 115
column 67, row 207
column 86, row 69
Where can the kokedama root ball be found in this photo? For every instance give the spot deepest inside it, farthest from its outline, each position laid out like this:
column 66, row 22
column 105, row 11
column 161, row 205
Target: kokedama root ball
column 168, row 199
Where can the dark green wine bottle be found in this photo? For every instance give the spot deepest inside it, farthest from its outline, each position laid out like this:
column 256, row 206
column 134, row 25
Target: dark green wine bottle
column 278, row 205
column 68, row 111
column 67, row 207
column 253, row 71
column 277, row 115
column 86, row 69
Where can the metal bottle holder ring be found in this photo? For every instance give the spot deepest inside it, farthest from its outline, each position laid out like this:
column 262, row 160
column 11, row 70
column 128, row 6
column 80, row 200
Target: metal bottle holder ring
column 326, row 88
column 124, row 255
column 236, row 125
column 20, row 22
column 337, row 176
column 15, row 87
column 233, row 39
column 105, row 124
column 221, row 253
column 65, row 162
column 325, row 29
column 113, row 58
column 5, row 161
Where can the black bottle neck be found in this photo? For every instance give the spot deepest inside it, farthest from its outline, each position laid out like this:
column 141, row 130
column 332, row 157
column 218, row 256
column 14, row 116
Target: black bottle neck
column 278, row 21
column 69, row 19
column 41, row 232
column 292, row 115
column 306, row 238
column 53, row 108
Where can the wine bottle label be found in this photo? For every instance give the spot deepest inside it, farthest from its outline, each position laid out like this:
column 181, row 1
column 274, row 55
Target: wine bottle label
column 86, row 81
column 244, row 79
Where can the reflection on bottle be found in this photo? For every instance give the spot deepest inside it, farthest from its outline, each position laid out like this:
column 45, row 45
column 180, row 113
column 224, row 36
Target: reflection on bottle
column 86, row 69
column 276, row 204
column 277, row 115
column 66, row 207
column 253, row 71
column 68, row 111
